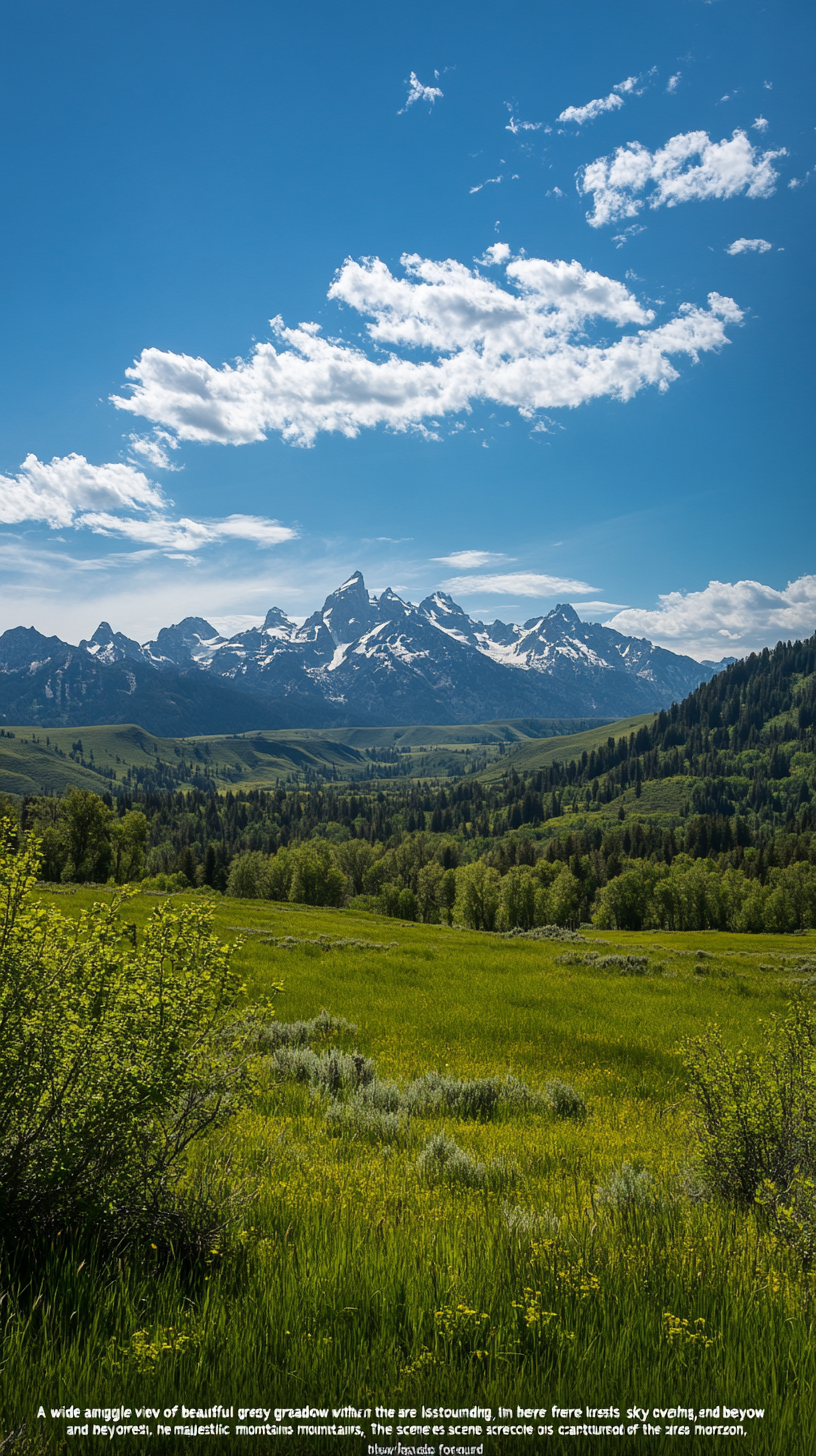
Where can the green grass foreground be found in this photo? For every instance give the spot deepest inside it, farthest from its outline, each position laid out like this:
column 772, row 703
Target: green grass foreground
column 349, row 1279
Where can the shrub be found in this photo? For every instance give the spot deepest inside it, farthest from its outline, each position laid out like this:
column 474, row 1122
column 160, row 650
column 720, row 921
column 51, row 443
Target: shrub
column 114, row 1058
column 443, row 1161
column 755, row 1113
column 476, row 1098
column 301, row 1033
column 355, row 1119
column 331, row 1072
column 564, row 1100
column 630, row 1186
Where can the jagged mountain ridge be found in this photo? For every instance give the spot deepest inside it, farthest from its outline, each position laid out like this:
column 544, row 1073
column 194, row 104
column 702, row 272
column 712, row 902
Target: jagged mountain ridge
column 359, row 659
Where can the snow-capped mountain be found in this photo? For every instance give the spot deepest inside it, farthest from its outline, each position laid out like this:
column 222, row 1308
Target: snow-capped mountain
column 374, row 659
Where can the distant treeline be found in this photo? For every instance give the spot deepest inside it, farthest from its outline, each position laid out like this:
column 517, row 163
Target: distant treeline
column 740, row 750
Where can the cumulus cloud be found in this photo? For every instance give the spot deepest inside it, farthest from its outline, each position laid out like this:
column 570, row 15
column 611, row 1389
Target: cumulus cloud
column 523, row 345
column 517, row 583
column 671, row 174
column 748, row 245
column 760, row 124
column 725, row 619
column 186, row 534
column 57, row 491
column 467, row 560
column 70, row 492
column 418, row 92
column 494, row 255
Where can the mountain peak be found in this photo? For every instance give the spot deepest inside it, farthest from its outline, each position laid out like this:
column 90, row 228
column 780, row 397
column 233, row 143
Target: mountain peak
column 565, row 611
column 347, row 612
column 276, row 618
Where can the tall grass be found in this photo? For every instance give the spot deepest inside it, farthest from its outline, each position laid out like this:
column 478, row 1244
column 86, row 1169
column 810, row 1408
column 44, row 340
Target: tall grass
column 351, row 1276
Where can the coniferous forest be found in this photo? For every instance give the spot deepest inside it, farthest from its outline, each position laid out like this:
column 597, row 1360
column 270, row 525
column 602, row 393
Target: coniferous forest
column 705, row 819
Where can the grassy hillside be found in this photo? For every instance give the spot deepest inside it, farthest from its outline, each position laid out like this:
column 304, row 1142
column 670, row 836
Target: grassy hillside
column 561, row 1274
column 527, row 757
column 116, row 757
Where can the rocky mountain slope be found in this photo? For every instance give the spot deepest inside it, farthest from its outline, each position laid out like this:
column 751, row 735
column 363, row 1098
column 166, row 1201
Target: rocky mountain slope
column 359, row 659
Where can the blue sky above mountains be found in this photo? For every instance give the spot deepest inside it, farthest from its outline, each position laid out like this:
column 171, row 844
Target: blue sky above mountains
column 519, row 306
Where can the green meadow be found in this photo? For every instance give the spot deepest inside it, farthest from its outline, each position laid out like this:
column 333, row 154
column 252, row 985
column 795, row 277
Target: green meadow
column 574, row 1261
column 126, row 756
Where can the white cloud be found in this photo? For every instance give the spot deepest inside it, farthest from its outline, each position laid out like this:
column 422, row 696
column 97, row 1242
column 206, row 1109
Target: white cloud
column 760, row 124
column 631, row 232
column 235, row 622
column 154, row 449
column 55, row 492
column 673, row 82
column 749, row 245
column 724, row 169
column 467, row 560
column 598, row 606
column 494, row 255
column 725, row 619
column 186, row 534
column 486, row 183
column 522, row 346
column 418, row 92
column 515, row 126
column 580, row 114
column 517, row 583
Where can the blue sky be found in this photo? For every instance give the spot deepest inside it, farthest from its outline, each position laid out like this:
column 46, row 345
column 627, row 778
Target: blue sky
column 567, row 352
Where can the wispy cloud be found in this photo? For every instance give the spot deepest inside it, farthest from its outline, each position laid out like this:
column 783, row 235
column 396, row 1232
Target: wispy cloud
column 154, row 447
column 517, row 583
column 725, row 618
column 515, row 126
column 579, row 115
column 673, row 82
column 186, row 534
column 749, row 245
column 760, row 123
column 486, row 183
column 523, row 345
column 672, row 175
column 598, row 606
column 631, row 232
column 418, row 92
column 468, row 560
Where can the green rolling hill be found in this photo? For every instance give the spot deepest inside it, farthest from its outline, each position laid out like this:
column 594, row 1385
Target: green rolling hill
column 126, row 758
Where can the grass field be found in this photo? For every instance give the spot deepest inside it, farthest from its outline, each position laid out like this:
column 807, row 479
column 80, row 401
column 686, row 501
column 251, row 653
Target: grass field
column 352, row 1279
column 47, row 761
column 526, row 757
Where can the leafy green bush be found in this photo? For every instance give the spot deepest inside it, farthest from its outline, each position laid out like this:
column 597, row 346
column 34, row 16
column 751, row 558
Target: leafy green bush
column 755, row 1113
column 114, row 1058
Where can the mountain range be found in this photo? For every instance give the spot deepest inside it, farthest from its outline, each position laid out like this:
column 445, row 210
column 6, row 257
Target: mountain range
column 361, row 659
